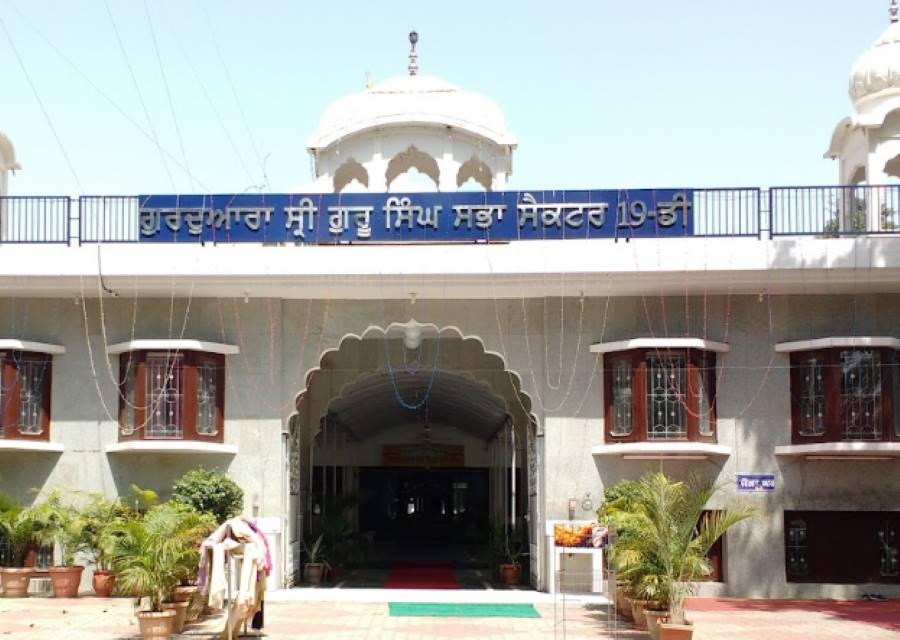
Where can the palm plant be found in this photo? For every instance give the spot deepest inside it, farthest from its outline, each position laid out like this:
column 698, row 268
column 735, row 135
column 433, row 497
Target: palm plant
column 663, row 547
column 153, row 552
column 103, row 518
column 57, row 523
column 17, row 530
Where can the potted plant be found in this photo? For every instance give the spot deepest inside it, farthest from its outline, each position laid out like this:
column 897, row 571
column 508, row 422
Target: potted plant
column 102, row 516
column 316, row 563
column 60, row 525
column 18, row 532
column 665, row 551
column 511, row 555
column 151, row 554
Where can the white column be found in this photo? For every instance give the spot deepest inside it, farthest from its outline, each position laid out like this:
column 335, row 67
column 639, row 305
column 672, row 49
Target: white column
column 449, row 169
column 875, row 175
column 376, row 168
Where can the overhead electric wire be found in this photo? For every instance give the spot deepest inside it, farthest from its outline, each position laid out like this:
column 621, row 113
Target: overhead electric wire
column 40, row 102
column 140, row 94
column 212, row 107
column 165, row 79
column 237, row 100
column 111, row 102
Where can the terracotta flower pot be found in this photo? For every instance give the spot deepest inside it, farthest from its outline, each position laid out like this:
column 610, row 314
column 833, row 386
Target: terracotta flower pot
column 637, row 612
column 156, row 625
column 669, row 631
column 654, row 617
column 509, row 574
column 103, row 582
column 180, row 609
column 65, row 581
column 625, row 607
column 314, row 572
column 14, row 581
column 185, row 593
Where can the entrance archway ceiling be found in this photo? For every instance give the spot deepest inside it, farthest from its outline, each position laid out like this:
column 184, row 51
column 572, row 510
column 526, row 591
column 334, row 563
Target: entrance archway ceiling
column 371, row 404
column 379, row 350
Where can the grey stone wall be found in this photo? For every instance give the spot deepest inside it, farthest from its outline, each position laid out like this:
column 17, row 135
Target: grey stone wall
column 545, row 341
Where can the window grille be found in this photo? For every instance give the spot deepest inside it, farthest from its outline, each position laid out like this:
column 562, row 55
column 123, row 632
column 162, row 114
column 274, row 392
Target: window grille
column 622, row 398
column 861, row 395
column 207, row 393
column 665, row 384
column 165, row 395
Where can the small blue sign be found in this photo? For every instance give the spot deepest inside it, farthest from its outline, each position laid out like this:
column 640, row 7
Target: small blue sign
column 336, row 218
column 756, row 482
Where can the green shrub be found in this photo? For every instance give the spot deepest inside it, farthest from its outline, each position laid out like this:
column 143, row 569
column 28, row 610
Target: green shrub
column 210, row 492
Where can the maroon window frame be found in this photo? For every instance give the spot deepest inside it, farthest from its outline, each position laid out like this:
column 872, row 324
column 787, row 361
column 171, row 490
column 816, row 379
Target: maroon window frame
column 11, row 366
column 133, row 401
column 716, row 555
column 700, row 372
column 841, row 547
column 831, row 428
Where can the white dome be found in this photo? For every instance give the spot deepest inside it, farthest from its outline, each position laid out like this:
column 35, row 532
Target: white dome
column 412, row 99
column 878, row 69
column 7, row 154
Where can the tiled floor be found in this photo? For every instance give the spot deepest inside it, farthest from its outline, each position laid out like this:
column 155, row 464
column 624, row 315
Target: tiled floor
column 715, row 619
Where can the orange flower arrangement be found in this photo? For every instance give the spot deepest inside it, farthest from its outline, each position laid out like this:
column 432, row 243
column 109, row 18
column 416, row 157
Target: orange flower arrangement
column 572, row 536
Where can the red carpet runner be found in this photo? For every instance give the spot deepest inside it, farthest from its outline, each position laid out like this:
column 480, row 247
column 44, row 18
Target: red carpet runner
column 421, row 576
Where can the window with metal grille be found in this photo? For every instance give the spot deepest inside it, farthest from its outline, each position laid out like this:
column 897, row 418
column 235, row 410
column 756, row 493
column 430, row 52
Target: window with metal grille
column 171, row 396
column 660, row 395
column 25, row 395
column 207, row 396
column 666, row 386
column 622, row 398
column 164, row 395
column 844, row 394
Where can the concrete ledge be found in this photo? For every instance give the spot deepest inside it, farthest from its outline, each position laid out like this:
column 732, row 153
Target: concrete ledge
column 35, row 446
column 25, row 345
column 830, row 342
column 838, row 450
column 657, row 450
column 172, row 345
column 189, row 447
column 660, row 343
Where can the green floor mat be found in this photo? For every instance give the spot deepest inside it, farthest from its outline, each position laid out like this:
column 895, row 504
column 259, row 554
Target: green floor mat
column 455, row 610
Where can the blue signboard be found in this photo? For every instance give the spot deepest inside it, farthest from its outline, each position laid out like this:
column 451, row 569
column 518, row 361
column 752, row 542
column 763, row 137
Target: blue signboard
column 417, row 217
column 756, row 482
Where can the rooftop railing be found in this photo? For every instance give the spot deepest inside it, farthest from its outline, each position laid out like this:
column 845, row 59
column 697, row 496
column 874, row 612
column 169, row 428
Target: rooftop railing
column 823, row 211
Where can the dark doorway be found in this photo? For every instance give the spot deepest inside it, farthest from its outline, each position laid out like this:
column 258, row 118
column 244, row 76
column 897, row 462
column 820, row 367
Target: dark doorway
column 425, row 507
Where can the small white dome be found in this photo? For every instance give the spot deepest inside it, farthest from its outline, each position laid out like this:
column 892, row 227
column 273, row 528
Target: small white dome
column 7, row 154
column 878, row 69
column 412, row 99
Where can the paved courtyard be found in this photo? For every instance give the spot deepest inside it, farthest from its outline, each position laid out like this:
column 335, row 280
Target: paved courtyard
column 715, row 619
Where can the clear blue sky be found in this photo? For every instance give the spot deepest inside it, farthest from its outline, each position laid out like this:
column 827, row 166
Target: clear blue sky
column 602, row 94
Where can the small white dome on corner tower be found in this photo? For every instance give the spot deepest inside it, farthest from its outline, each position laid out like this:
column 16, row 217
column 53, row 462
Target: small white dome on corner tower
column 876, row 73
column 412, row 122
column 7, row 154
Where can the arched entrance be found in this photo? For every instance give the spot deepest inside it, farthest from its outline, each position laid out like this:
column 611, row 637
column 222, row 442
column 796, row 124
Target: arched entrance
column 412, row 444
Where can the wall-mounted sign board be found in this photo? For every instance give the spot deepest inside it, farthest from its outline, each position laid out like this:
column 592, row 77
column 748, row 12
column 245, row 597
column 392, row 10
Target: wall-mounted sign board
column 756, row 482
column 417, row 217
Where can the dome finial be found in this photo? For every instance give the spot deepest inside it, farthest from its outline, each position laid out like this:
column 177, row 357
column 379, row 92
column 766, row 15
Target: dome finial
column 413, row 56
column 893, row 11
